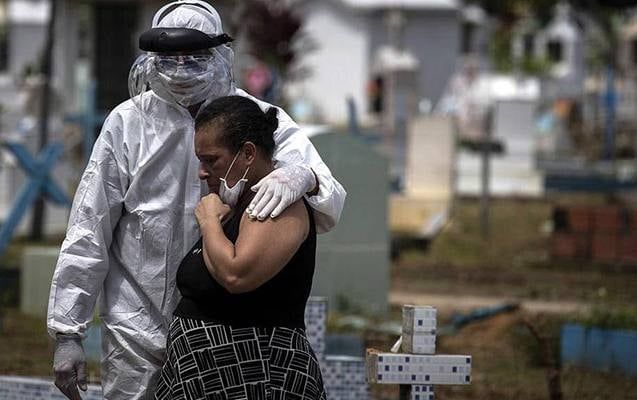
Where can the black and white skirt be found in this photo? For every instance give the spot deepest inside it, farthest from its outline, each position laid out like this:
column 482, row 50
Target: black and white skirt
column 208, row 360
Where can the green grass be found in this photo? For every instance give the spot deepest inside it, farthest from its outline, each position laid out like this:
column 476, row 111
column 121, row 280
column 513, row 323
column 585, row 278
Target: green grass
column 26, row 349
column 519, row 233
column 515, row 238
column 514, row 261
column 610, row 317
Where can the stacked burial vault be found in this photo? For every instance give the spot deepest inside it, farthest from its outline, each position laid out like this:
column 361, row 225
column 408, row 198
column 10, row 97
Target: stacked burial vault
column 418, row 366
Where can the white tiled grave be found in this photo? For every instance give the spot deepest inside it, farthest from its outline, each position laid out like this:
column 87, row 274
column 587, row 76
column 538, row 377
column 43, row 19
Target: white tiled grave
column 343, row 376
column 21, row 388
column 315, row 324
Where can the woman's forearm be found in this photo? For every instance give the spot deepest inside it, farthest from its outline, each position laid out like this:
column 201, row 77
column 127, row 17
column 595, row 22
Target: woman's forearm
column 260, row 252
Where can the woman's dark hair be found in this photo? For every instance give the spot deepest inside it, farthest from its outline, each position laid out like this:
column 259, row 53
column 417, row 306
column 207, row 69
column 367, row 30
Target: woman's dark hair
column 240, row 120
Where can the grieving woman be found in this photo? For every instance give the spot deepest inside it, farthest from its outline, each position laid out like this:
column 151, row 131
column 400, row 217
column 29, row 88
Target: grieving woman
column 239, row 331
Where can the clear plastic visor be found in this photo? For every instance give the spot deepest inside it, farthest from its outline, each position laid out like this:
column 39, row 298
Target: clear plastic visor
column 195, row 64
column 182, row 78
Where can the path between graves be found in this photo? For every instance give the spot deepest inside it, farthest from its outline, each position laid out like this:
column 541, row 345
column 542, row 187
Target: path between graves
column 449, row 303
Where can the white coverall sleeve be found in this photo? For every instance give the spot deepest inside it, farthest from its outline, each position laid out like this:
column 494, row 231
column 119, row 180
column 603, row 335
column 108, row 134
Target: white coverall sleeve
column 294, row 147
column 84, row 256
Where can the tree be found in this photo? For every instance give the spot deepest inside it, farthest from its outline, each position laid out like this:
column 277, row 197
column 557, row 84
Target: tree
column 273, row 32
column 603, row 13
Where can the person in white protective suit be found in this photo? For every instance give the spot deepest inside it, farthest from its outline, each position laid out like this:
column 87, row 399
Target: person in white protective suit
column 133, row 220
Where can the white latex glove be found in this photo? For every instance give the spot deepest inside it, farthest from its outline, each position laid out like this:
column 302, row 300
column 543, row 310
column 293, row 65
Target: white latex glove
column 279, row 189
column 69, row 365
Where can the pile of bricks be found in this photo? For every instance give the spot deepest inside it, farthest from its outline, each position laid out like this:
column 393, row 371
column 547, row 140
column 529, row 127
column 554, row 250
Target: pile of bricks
column 605, row 234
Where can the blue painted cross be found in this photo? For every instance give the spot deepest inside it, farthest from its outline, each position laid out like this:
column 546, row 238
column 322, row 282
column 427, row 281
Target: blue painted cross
column 38, row 169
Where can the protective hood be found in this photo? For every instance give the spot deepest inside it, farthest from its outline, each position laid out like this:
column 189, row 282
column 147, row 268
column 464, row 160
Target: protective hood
column 192, row 14
column 188, row 60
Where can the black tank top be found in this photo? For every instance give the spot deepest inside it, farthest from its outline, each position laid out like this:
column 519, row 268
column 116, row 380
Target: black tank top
column 278, row 302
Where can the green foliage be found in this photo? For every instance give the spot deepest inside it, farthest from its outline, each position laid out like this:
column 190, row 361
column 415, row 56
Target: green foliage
column 527, row 343
column 547, row 326
column 274, row 34
column 500, row 51
column 535, row 66
column 601, row 48
column 610, row 317
column 345, row 306
column 9, row 288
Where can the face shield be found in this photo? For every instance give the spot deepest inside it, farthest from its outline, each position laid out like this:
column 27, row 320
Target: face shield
column 184, row 79
column 188, row 59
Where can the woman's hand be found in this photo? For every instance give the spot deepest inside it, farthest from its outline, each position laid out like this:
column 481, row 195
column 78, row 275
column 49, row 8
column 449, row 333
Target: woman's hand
column 210, row 207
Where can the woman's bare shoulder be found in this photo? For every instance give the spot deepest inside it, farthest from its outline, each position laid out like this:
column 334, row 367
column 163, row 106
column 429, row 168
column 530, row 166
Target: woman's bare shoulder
column 294, row 216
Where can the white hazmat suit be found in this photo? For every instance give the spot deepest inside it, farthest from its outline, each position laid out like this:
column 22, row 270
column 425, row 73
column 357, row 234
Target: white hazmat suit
column 132, row 221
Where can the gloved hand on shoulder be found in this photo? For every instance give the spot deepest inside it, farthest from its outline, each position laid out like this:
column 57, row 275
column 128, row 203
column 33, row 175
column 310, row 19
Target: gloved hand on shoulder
column 279, row 189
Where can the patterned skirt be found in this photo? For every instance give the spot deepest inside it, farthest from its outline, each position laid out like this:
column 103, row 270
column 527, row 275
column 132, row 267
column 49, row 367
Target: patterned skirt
column 208, row 360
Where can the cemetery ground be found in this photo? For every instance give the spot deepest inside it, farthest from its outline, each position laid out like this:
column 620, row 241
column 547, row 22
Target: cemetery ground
column 513, row 265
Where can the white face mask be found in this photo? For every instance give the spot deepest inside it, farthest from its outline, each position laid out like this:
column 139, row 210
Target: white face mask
column 230, row 195
column 187, row 92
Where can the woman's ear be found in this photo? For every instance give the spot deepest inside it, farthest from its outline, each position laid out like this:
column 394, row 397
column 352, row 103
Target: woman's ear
column 250, row 152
